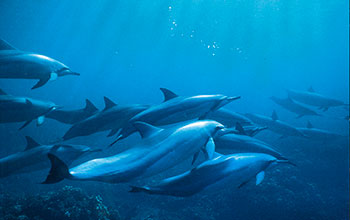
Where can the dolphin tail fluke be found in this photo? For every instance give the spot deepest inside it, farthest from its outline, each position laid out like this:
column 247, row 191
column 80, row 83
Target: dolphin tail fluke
column 135, row 189
column 41, row 82
column 58, row 172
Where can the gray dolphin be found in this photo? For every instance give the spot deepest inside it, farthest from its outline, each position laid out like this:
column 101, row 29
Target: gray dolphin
column 320, row 134
column 176, row 109
column 161, row 150
column 241, row 143
column 275, row 125
column 73, row 116
column 294, row 107
column 310, row 97
column 34, row 157
column 113, row 117
column 16, row 64
column 23, row 109
column 223, row 170
column 228, row 118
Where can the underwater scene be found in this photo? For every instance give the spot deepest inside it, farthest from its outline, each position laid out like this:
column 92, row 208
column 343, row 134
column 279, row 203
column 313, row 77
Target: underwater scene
column 174, row 109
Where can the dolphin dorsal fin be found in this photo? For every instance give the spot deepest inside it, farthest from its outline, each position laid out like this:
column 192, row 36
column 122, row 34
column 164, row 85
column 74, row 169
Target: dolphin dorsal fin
column 108, row 103
column 274, row 115
column 311, row 89
column 309, row 125
column 168, row 94
column 89, row 106
column 146, row 130
column 31, row 143
column 6, row 46
column 240, row 129
column 2, row 92
column 28, row 102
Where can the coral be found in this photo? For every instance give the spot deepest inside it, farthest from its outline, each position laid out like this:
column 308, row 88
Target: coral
column 67, row 203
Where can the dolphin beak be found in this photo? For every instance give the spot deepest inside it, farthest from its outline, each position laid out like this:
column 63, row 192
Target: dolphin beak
column 225, row 131
column 75, row 74
column 233, row 98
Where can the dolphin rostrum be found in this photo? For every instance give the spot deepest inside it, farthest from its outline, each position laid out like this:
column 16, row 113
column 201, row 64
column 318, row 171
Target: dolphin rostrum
column 176, row 109
column 34, row 157
column 16, row 64
column 113, row 117
column 161, row 150
column 310, row 97
column 275, row 125
column 234, row 169
column 73, row 116
column 294, row 107
column 23, row 109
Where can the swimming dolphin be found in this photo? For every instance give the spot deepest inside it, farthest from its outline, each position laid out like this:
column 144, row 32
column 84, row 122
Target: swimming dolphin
column 315, row 99
column 241, row 143
column 228, row 118
column 73, row 116
column 34, row 157
column 294, row 107
column 319, row 134
column 223, row 170
column 23, row 109
column 113, row 117
column 275, row 125
column 16, row 64
column 163, row 149
column 176, row 109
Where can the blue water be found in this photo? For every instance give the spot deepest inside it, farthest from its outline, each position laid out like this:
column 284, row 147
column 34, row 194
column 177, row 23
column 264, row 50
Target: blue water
column 127, row 50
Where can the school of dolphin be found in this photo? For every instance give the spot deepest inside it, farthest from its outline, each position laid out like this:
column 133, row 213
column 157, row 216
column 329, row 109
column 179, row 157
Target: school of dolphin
column 181, row 128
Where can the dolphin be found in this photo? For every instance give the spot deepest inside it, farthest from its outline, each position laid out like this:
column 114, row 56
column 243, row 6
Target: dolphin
column 312, row 98
column 275, row 125
column 319, row 134
column 228, row 118
column 223, row 170
column 73, row 116
column 23, row 109
column 175, row 109
column 113, row 117
column 241, row 143
column 34, row 157
column 16, row 64
column 161, row 149
column 294, row 107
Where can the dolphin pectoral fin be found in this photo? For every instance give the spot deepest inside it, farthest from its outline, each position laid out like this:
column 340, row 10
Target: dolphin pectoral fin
column 135, row 189
column 41, row 82
column 118, row 139
column 209, row 149
column 40, row 120
column 25, row 124
column 53, row 76
column 58, row 172
column 195, row 156
column 260, row 177
column 113, row 132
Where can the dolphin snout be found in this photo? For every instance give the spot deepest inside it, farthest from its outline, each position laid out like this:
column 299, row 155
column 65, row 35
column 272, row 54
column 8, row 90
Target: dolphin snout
column 232, row 98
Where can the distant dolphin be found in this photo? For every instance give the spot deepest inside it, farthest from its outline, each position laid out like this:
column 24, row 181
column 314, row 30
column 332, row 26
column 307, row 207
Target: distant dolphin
column 294, row 107
column 244, row 144
column 315, row 99
column 160, row 150
column 73, row 116
column 223, row 170
column 228, row 118
column 319, row 134
column 34, row 157
column 16, row 64
column 23, row 109
column 113, row 117
column 176, row 109
column 275, row 125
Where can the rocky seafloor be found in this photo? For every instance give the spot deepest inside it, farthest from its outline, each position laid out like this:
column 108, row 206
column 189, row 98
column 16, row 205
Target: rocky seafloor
column 67, row 203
